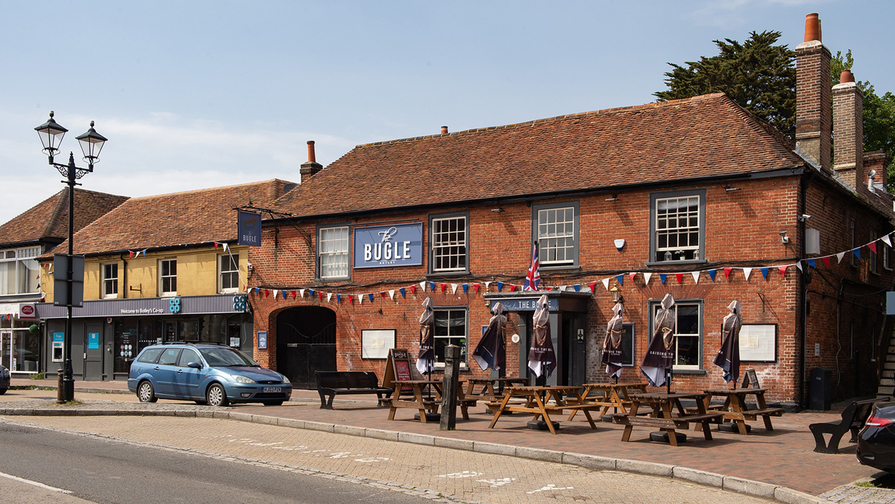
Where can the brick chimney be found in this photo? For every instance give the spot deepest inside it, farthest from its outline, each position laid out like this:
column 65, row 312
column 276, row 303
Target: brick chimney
column 848, row 124
column 876, row 161
column 813, row 95
column 310, row 168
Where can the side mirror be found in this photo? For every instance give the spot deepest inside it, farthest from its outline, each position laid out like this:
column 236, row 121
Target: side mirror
column 196, row 365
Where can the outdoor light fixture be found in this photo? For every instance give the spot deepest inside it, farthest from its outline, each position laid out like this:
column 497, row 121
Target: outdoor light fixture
column 51, row 134
column 783, row 237
column 729, row 189
column 613, row 198
column 616, row 294
column 803, row 217
column 498, row 210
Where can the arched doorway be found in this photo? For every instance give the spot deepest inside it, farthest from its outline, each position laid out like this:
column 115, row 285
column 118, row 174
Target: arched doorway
column 306, row 341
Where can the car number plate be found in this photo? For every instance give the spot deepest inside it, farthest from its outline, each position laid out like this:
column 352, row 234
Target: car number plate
column 273, row 389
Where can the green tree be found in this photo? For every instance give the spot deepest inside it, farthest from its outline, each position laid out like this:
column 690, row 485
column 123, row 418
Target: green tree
column 758, row 74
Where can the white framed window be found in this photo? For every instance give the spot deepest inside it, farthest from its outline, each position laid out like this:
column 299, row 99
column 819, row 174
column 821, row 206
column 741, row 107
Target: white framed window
column 677, row 226
column 19, row 271
column 110, row 280
column 556, row 233
column 449, row 245
column 332, row 252
column 167, row 277
column 687, row 333
column 450, row 329
column 228, row 276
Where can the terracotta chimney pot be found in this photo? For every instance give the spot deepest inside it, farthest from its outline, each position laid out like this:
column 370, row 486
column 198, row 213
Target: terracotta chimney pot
column 846, row 76
column 444, row 130
column 812, row 27
column 312, row 157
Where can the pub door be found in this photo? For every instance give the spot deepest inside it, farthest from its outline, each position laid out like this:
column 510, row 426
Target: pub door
column 306, row 342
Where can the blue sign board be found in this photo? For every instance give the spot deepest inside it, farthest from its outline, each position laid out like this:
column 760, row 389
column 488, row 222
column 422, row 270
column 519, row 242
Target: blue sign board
column 93, row 341
column 249, row 224
column 388, row 246
column 58, row 337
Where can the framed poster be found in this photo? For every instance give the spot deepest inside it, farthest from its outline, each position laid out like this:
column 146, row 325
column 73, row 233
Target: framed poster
column 758, row 342
column 375, row 343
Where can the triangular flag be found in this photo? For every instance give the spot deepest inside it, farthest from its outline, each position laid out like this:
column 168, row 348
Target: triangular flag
column 413, row 289
column 382, row 293
column 403, row 292
column 360, row 297
column 799, row 265
column 662, row 277
column 423, row 286
column 695, row 276
column 512, row 288
column 680, row 278
column 621, row 280
column 350, row 298
column 782, row 270
column 432, row 286
column 646, row 277
column 454, row 288
column 887, row 240
column 301, row 293
column 285, row 294
column 840, row 255
column 266, row 293
column 371, row 297
column 606, row 283
column 631, row 276
column 475, row 288
column 712, row 273
column 826, row 260
column 465, row 288
column 747, row 272
column 310, row 292
column 320, row 295
column 593, row 286
column 764, row 272
column 872, row 246
column 293, row 294
column 391, row 294
column 329, row 296
column 857, row 253
column 132, row 256
column 811, row 263
column 338, row 298
column 577, row 287
column 499, row 286
column 487, row 284
column 727, row 271
column 275, row 293
column 443, row 287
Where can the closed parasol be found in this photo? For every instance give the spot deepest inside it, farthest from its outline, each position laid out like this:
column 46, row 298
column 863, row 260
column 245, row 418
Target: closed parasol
column 659, row 358
column 541, row 357
column 492, row 348
column 426, row 360
column 729, row 355
column 612, row 345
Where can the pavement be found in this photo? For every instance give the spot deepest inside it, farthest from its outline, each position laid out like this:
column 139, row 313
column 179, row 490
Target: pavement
column 777, row 465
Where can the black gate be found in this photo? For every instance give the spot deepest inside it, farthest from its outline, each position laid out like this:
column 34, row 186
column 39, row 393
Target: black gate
column 306, row 342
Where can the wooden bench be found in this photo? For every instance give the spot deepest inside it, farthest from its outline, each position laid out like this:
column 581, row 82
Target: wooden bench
column 853, row 418
column 332, row 383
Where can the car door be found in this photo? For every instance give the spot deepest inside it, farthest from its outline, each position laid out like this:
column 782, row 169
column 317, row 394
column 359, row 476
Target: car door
column 187, row 379
column 164, row 372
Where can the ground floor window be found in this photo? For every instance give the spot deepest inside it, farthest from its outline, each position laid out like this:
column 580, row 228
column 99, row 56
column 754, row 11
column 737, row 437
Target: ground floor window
column 450, row 329
column 687, row 333
column 19, row 350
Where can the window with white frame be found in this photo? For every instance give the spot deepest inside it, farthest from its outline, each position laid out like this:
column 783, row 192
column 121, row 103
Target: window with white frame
column 19, row 271
column 228, row 265
column 687, row 333
column 450, row 329
column 449, row 243
column 332, row 252
column 677, row 226
column 556, row 233
column 110, row 280
column 167, row 277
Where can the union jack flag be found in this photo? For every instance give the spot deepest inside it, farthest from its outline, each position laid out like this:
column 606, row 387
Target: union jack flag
column 533, row 278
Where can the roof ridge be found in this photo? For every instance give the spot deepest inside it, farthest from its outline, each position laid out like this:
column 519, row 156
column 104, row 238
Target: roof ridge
column 218, row 188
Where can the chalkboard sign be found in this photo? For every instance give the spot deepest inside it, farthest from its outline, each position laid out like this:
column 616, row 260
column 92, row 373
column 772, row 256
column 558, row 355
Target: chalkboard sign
column 397, row 367
column 750, row 379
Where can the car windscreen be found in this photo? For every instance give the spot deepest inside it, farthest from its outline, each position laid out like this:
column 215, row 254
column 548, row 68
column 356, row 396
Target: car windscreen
column 224, row 357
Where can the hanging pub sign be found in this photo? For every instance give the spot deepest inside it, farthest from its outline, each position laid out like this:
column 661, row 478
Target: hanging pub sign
column 249, row 224
column 388, row 246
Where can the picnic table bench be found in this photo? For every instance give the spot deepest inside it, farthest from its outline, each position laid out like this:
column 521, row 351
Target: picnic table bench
column 610, row 395
column 736, row 410
column 663, row 415
column 541, row 402
column 852, row 418
column 332, row 383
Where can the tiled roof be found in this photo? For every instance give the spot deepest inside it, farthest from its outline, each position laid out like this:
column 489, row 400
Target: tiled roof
column 183, row 218
column 707, row 135
column 48, row 220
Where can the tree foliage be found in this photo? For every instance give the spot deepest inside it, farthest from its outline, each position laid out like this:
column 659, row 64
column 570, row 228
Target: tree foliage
column 758, row 74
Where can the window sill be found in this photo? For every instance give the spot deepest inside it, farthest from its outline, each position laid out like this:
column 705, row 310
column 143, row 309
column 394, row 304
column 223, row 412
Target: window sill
column 689, row 371
column 667, row 263
column 446, row 274
column 560, row 267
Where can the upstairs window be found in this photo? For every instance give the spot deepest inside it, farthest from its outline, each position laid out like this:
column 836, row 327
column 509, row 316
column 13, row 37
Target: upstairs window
column 19, row 271
column 110, row 280
column 229, row 273
column 332, row 252
column 556, row 233
column 677, row 226
column 167, row 277
column 449, row 244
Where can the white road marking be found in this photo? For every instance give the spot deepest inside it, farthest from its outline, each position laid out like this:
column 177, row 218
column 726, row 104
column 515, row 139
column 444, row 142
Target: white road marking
column 35, row 483
column 550, row 488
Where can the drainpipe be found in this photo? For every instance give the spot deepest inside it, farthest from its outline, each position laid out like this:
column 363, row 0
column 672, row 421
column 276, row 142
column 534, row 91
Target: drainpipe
column 804, row 182
column 123, row 275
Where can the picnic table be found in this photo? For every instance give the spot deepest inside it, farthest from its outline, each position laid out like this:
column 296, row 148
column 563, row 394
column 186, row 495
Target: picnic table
column 541, row 402
column 410, row 394
column 667, row 413
column 610, row 395
column 489, row 387
column 737, row 411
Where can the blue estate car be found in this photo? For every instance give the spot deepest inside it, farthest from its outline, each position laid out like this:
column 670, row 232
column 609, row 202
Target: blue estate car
column 206, row 373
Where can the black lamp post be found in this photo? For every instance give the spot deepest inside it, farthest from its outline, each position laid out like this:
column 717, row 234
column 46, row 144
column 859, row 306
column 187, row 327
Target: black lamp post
column 51, row 134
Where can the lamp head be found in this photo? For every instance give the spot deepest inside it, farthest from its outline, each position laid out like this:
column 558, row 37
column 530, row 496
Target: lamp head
column 51, row 134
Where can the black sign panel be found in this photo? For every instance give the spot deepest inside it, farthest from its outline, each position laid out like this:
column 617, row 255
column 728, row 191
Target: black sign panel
column 249, row 228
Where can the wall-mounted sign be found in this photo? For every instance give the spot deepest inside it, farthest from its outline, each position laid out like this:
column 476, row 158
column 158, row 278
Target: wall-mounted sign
column 249, row 224
column 26, row 310
column 388, row 246
column 262, row 340
column 93, row 341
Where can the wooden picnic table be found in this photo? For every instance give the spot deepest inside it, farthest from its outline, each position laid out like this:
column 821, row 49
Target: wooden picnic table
column 409, row 394
column 667, row 414
column 540, row 402
column 489, row 387
column 737, row 411
column 610, row 395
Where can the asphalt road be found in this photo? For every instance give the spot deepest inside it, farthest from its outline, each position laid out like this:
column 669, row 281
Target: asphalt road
column 40, row 465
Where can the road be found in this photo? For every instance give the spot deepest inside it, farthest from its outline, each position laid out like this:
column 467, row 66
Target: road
column 254, row 460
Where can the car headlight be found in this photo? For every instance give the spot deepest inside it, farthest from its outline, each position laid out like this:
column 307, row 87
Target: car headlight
column 243, row 379
column 286, row 380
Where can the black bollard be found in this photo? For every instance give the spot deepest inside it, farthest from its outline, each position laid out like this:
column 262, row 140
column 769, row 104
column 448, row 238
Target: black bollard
column 60, row 388
column 449, row 388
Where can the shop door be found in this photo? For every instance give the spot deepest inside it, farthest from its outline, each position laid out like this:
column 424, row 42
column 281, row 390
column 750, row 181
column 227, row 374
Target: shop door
column 93, row 353
column 306, row 342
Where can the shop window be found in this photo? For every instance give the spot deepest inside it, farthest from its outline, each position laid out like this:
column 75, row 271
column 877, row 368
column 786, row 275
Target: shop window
column 677, row 226
column 450, row 329
column 19, row 270
column 687, row 333
column 110, row 280
column 167, row 269
column 556, row 232
column 229, row 273
column 332, row 252
column 449, row 242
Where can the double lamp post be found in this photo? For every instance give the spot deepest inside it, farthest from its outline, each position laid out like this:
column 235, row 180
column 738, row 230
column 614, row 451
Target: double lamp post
column 51, row 134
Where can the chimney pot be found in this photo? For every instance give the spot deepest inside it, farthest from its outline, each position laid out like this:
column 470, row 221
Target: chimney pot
column 312, row 157
column 444, row 130
column 812, row 27
column 846, row 76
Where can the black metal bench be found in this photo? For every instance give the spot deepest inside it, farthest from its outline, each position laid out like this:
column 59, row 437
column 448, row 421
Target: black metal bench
column 853, row 418
column 332, row 383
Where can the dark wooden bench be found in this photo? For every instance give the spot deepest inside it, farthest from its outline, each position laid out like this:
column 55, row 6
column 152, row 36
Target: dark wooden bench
column 332, row 383
column 853, row 418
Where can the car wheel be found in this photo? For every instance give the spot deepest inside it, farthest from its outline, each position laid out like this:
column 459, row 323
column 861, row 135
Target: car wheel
column 273, row 403
column 216, row 396
column 145, row 392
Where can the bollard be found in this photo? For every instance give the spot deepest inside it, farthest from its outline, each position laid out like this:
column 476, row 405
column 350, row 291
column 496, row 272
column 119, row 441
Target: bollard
column 60, row 388
column 449, row 388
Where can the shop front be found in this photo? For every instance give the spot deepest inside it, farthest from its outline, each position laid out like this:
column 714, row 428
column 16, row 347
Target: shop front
column 19, row 338
column 108, row 334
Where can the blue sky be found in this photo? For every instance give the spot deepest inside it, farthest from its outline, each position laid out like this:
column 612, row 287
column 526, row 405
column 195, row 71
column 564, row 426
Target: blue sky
column 195, row 94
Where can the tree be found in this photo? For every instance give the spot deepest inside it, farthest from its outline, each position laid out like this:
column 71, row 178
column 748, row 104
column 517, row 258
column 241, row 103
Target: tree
column 758, row 75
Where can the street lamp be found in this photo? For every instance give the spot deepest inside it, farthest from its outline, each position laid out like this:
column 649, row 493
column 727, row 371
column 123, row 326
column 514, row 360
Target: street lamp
column 51, row 134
